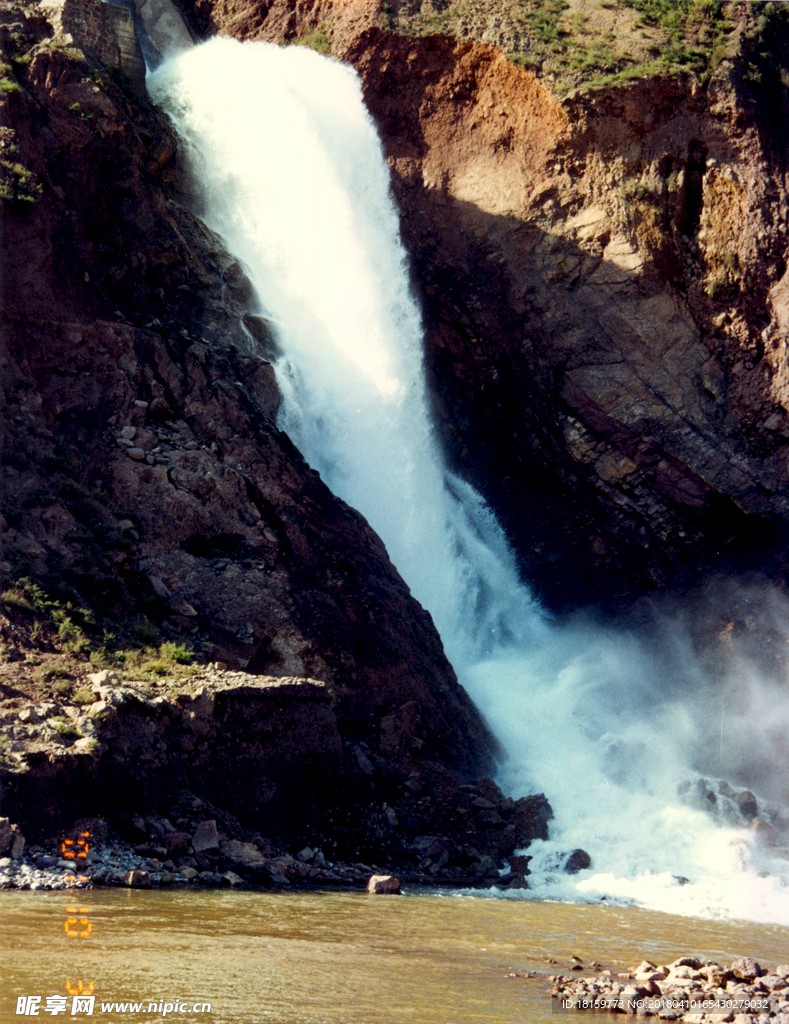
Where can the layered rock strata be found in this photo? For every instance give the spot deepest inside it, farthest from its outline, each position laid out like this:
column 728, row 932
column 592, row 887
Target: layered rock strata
column 603, row 284
column 264, row 756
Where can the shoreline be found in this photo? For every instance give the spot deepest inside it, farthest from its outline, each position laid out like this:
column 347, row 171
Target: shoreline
column 688, row 989
column 237, row 865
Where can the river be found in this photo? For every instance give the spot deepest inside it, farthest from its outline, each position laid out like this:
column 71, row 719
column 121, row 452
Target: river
column 333, row 958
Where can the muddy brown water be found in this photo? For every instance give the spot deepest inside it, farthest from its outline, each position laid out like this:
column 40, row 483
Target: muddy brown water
column 329, row 958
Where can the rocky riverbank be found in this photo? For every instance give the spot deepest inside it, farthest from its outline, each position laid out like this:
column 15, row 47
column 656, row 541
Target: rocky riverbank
column 225, row 777
column 689, row 989
column 96, row 855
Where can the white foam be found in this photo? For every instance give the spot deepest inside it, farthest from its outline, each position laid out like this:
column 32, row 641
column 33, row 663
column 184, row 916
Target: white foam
column 293, row 178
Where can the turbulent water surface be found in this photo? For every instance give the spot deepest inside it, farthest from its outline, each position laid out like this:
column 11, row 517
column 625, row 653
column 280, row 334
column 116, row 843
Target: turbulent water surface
column 316, row 958
column 611, row 726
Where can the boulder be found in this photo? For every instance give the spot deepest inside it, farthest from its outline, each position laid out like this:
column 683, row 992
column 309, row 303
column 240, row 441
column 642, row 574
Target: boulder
column 383, row 884
column 137, row 879
column 746, row 969
column 5, row 835
column 103, row 678
column 206, row 838
column 519, row 863
column 12, row 842
column 764, row 832
column 244, row 856
column 748, row 807
column 577, row 861
column 176, row 843
column 513, row 880
column 150, row 850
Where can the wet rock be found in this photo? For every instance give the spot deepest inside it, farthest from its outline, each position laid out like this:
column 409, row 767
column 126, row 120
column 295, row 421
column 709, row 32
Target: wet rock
column 764, row 832
column 519, row 863
column 485, row 868
column 747, row 804
column 530, row 818
column 512, row 880
column 137, row 879
column 578, row 860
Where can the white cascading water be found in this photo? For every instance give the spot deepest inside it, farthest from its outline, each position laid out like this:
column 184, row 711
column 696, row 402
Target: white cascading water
column 293, row 179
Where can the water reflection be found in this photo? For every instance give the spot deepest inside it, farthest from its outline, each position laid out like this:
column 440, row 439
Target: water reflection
column 331, row 958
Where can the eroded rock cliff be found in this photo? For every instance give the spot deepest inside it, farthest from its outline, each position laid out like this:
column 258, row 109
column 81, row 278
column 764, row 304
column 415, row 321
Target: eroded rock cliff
column 604, row 289
column 145, row 486
column 602, row 278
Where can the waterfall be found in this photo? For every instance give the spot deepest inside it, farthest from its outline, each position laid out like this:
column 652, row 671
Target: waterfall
column 292, row 177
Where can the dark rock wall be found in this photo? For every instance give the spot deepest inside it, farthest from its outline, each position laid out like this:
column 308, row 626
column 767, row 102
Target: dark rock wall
column 142, row 472
column 269, row 757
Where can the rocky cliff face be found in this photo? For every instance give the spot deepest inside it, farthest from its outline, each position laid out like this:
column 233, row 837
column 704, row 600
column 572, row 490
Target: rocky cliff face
column 605, row 298
column 268, row 757
column 145, row 486
column 603, row 284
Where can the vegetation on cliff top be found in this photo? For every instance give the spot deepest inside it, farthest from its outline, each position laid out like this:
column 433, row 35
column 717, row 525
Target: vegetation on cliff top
column 585, row 43
column 59, row 639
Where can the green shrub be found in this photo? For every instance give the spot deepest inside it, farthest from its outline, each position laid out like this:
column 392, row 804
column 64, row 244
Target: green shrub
column 633, row 190
column 155, row 668
column 18, row 184
column 16, row 598
column 176, row 652
column 317, row 40
column 50, row 672
column 64, row 727
column 83, row 695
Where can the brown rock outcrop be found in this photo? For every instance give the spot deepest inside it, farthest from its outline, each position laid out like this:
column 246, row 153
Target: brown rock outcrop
column 143, row 477
column 592, row 375
column 603, row 283
column 255, row 756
